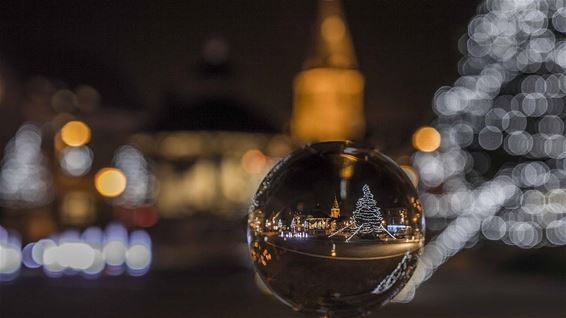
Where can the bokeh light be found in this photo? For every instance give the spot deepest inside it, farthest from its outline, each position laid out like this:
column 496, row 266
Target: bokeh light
column 25, row 180
column 10, row 255
column 75, row 133
column 76, row 161
column 426, row 139
column 254, row 161
column 499, row 173
column 110, row 182
column 140, row 181
column 89, row 252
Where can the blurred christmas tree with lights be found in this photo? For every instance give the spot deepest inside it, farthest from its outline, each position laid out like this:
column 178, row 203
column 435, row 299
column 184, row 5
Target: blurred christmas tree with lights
column 498, row 170
column 502, row 127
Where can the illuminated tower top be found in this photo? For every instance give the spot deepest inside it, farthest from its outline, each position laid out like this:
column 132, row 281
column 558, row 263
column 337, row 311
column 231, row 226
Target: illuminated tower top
column 335, row 210
column 328, row 93
column 332, row 46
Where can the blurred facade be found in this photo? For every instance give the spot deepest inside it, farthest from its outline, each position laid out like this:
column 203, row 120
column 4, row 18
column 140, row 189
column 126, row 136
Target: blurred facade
column 65, row 172
column 208, row 148
column 199, row 158
column 49, row 165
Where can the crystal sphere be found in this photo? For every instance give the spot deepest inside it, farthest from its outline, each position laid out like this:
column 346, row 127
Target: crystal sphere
column 335, row 229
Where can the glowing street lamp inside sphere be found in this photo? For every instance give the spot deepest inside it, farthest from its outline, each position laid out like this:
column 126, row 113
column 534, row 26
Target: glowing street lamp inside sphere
column 110, row 182
column 334, row 243
column 75, row 133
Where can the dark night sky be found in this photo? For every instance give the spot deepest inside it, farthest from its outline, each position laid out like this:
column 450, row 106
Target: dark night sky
column 133, row 51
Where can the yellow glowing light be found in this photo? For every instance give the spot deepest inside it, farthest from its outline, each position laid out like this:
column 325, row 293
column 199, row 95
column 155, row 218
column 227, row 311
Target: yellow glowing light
column 254, row 161
column 110, row 182
column 75, row 133
column 328, row 93
column 333, row 29
column 426, row 139
column 328, row 105
column 77, row 208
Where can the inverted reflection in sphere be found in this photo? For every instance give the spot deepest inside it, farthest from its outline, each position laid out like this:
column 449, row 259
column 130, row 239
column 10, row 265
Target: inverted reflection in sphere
column 335, row 229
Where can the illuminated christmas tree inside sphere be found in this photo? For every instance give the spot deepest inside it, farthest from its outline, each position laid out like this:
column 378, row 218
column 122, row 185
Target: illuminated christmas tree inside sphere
column 335, row 229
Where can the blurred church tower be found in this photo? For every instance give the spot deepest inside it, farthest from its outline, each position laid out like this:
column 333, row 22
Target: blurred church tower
column 328, row 92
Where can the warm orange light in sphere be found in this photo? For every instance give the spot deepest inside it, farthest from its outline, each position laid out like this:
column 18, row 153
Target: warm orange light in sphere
column 75, row 133
column 110, row 182
column 426, row 139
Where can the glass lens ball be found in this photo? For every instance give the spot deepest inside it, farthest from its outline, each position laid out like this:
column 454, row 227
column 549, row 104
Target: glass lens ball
column 335, row 229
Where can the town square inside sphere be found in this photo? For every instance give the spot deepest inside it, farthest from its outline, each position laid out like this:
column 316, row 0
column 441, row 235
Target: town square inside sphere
column 335, row 229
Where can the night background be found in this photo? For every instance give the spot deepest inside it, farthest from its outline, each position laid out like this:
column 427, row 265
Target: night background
column 192, row 102
column 136, row 52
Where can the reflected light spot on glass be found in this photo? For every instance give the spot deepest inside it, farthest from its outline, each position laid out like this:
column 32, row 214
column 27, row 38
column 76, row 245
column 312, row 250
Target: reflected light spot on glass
column 411, row 173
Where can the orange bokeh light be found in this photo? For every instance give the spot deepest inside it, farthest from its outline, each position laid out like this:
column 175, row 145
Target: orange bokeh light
column 426, row 139
column 110, row 182
column 75, row 133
